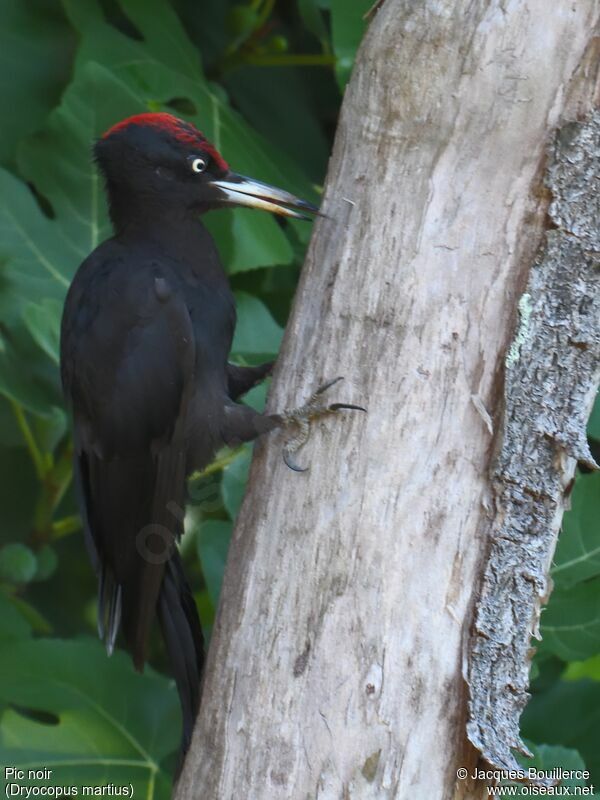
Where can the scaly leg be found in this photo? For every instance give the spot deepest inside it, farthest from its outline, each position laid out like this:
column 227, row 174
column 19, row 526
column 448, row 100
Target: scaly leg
column 243, row 424
column 303, row 416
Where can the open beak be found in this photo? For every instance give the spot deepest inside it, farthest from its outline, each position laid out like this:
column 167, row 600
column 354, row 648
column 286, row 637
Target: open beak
column 236, row 190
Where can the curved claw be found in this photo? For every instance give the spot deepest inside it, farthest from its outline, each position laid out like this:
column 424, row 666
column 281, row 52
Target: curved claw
column 302, row 418
column 337, row 406
column 289, row 462
column 328, row 385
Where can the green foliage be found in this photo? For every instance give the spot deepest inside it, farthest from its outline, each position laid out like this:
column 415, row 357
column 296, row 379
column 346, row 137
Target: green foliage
column 348, row 24
column 263, row 80
column 565, row 705
column 17, row 563
column 244, row 74
column 213, row 542
column 568, row 713
column 594, row 421
column 36, row 47
column 545, row 759
column 577, row 557
column 571, row 623
column 66, row 715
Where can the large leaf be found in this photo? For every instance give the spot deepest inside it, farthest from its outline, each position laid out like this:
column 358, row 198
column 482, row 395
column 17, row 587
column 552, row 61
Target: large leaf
column 578, row 552
column 40, row 319
column 256, row 332
column 545, row 759
column 18, row 494
column 234, row 480
column 113, row 725
column 348, row 24
column 163, row 39
column 568, row 714
column 35, row 260
column 246, row 240
column 312, row 17
column 279, row 105
column 157, row 82
column 571, row 622
column 213, row 542
column 58, row 161
column 36, row 49
column 583, row 669
column 36, row 388
column 39, row 255
column 13, row 626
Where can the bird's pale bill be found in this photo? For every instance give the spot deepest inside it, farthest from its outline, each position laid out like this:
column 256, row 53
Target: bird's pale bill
column 241, row 191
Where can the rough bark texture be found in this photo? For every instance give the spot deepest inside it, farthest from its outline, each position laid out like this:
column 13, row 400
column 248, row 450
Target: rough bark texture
column 552, row 372
column 336, row 665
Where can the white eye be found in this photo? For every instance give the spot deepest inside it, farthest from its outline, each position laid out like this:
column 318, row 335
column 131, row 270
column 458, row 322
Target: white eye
column 198, row 165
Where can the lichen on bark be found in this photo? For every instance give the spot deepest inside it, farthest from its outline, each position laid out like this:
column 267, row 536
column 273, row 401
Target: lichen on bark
column 552, row 373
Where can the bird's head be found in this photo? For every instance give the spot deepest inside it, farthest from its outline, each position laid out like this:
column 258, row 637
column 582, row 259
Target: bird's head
column 157, row 161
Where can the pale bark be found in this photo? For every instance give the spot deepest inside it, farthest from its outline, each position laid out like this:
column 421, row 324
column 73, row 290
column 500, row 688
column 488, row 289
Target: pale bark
column 336, row 665
column 552, row 372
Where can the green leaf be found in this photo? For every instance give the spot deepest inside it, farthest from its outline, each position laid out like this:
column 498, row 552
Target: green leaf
column 39, row 255
column 348, row 26
column 155, row 83
column 213, row 542
column 206, row 612
column 164, row 35
column 256, row 397
column 593, row 426
column 281, row 106
column 47, row 562
column 13, row 626
column 235, row 477
column 164, row 39
column 571, row 622
column 18, row 493
column 39, row 623
column 113, row 725
column 36, row 49
column 590, row 668
column 256, row 332
column 43, row 321
column 246, row 240
column 568, row 715
column 33, row 389
column 35, row 262
column 242, row 20
column 547, row 758
column 313, row 19
column 50, row 429
column 58, row 161
column 17, row 563
column 578, row 552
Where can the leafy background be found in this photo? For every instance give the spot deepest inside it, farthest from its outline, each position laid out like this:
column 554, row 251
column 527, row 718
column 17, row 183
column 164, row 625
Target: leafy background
column 263, row 79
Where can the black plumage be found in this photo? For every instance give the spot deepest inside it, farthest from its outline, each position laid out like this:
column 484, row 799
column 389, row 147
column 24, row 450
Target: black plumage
column 146, row 332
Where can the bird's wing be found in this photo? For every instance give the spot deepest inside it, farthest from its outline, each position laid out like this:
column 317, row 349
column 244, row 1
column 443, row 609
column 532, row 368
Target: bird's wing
column 127, row 354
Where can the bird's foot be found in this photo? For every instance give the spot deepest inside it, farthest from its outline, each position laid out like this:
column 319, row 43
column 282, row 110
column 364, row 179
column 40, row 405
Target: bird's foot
column 302, row 417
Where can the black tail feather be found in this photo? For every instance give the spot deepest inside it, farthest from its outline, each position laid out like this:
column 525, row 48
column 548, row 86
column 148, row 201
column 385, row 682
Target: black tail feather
column 183, row 638
column 109, row 608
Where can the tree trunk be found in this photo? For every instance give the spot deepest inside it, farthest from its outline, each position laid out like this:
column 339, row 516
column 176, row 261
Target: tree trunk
column 336, row 665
